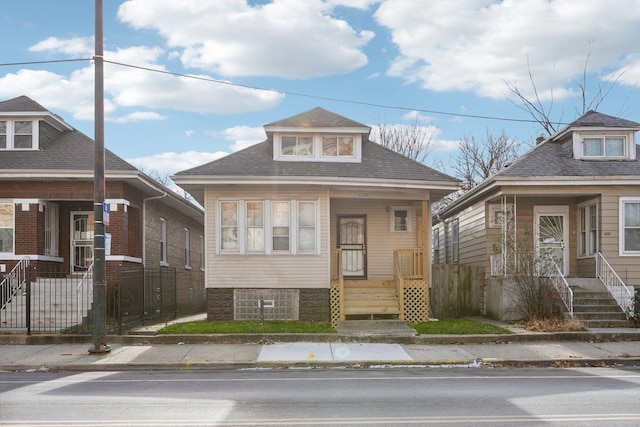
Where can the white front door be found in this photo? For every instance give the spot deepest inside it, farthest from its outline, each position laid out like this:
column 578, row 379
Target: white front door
column 81, row 241
column 551, row 230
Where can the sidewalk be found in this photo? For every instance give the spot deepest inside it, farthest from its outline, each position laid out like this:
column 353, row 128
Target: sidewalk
column 148, row 351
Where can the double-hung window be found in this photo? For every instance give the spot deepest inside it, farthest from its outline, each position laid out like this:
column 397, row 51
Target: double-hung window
column 455, row 240
column 51, row 229
column 163, row 241
column 280, row 226
column 18, row 135
column 629, row 226
column 268, row 227
column 255, row 226
column 587, row 229
column 187, row 248
column 6, row 227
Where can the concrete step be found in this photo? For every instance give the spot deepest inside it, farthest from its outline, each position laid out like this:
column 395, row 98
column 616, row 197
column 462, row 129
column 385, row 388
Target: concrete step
column 375, row 328
column 606, row 323
column 599, row 315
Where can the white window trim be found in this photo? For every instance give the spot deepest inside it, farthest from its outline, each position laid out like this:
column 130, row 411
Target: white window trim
column 202, row 253
column 586, row 205
column 621, row 204
column 163, row 239
column 35, row 134
column 629, row 145
column 264, row 221
column 317, row 148
column 268, row 228
column 392, row 217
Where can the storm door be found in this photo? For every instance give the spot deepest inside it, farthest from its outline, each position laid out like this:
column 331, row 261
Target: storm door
column 551, row 231
column 81, row 241
column 352, row 239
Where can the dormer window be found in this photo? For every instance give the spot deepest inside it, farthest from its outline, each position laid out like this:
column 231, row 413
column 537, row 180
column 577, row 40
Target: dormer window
column 603, row 147
column 297, row 146
column 18, row 135
column 338, row 146
column 317, row 147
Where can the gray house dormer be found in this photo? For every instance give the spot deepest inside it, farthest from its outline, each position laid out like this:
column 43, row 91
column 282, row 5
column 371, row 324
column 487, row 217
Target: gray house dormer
column 317, row 135
column 599, row 137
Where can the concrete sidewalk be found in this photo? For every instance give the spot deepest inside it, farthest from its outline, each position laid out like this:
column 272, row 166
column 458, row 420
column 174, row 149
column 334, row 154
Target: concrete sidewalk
column 75, row 357
column 143, row 349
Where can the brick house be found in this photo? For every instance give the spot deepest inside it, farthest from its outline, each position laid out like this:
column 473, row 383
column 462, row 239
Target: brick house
column 46, row 205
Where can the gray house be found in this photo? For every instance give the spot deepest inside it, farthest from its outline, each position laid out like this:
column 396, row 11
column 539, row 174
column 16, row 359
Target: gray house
column 572, row 203
column 318, row 222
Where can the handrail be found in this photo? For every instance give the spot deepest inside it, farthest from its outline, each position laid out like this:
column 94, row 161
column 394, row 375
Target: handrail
column 19, row 275
column 399, row 280
column 85, row 282
column 561, row 285
column 614, row 284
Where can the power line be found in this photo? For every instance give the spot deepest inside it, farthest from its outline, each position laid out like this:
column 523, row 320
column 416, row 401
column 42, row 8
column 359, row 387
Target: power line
column 305, row 95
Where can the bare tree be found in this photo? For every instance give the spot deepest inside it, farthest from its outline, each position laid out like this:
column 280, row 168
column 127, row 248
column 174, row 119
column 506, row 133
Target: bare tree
column 541, row 111
column 479, row 159
column 409, row 139
column 165, row 180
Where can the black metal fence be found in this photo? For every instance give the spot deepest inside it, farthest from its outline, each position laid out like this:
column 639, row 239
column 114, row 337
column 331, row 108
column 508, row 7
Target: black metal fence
column 48, row 301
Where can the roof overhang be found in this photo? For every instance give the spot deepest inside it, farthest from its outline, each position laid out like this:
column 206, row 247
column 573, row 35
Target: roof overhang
column 48, row 117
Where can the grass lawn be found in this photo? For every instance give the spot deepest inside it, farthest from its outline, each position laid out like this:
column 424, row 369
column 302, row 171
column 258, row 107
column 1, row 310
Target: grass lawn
column 247, row 327
column 457, row 327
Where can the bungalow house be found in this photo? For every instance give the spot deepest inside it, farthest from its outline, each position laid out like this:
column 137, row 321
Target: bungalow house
column 569, row 209
column 316, row 223
column 46, row 206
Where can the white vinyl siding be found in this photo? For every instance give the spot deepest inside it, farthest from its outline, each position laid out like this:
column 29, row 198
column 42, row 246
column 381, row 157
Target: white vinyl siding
column 263, row 270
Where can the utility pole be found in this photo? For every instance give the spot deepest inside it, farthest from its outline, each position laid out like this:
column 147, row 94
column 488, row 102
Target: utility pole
column 99, row 283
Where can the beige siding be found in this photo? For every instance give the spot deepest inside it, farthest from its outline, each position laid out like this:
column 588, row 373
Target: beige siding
column 381, row 241
column 262, row 270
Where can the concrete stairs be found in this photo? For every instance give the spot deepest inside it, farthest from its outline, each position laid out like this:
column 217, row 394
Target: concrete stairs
column 594, row 306
column 370, row 299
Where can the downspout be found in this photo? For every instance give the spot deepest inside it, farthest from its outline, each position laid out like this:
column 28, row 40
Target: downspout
column 144, row 225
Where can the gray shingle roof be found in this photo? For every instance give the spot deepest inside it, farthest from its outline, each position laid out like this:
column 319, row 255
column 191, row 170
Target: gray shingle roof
column 21, row 104
column 316, row 118
column 377, row 163
column 593, row 118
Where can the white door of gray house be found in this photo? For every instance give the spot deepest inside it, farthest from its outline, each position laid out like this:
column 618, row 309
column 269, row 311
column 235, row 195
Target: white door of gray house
column 352, row 239
column 551, row 232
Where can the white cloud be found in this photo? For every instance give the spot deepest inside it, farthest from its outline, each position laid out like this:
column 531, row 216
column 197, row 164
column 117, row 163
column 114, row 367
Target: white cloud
column 243, row 136
column 283, row 38
column 165, row 164
column 76, row 46
column 477, row 45
column 132, row 88
column 138, row 116
column 189, row 133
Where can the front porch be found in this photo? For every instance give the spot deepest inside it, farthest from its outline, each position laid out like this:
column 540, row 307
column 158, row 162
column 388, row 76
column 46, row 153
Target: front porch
column 403, row 297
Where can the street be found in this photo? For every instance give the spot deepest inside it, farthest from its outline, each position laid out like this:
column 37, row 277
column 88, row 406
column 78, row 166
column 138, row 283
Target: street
column 399, row 396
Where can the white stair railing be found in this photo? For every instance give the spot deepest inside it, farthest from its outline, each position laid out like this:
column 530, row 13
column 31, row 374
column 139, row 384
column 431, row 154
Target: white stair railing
column 616, row 287
column 560, row 282
column 14, row 281
column 85, row 292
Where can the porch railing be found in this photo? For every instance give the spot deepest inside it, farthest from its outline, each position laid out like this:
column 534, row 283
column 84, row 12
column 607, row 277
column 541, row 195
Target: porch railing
column 410, row 263
column 84, row 289
column 554, row 273
column 399, row 281
column 408, row 266
column 620, row 292
column 520, row 263
column 14, row 282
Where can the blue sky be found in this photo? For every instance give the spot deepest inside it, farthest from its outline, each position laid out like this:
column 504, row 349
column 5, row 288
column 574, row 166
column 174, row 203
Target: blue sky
column 374, row 61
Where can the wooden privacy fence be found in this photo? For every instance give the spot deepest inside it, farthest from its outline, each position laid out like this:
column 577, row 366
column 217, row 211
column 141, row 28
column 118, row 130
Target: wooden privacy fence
column 457, row 290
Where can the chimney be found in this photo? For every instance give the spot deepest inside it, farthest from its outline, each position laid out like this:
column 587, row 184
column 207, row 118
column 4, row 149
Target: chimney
column 539, row 139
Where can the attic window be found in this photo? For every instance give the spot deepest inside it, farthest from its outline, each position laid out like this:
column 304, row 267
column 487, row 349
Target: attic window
column 338, row 146
column 18, row 135
column 297, row 146
column 603, row 147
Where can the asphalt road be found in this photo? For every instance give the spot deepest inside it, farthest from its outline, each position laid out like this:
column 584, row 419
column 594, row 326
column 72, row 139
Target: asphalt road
column 390, row 397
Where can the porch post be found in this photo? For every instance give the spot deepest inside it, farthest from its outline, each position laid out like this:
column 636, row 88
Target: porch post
column 426, row 241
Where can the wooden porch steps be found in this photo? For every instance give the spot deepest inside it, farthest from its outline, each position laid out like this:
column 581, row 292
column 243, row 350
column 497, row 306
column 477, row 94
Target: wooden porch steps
column 370, row 298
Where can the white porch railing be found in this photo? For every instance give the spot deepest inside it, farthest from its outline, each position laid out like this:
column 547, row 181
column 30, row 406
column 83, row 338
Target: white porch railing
column 562, row 286
column 620, row 292
column 14, row 281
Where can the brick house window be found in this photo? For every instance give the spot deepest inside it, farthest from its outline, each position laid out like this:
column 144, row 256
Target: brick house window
column 18, row 135
column 6, row 227
column 163, row 241
column 51, row 229
column 187, row 251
